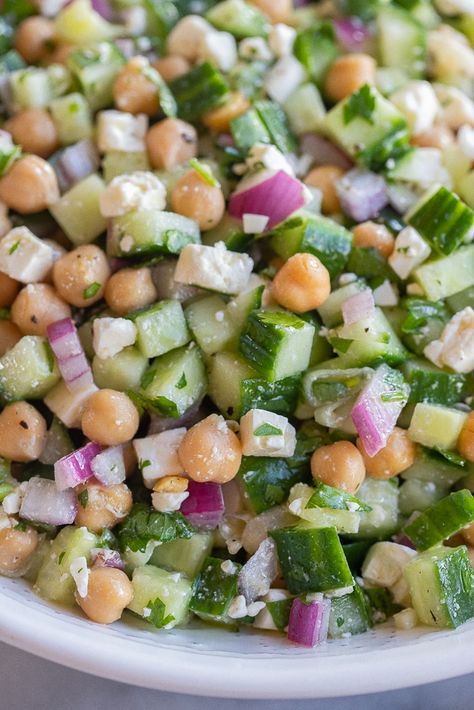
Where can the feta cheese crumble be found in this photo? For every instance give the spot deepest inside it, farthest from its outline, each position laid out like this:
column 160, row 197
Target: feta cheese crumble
column 455, row 347
column 118, row 130
column 158, row 455
column 410, row 251
column 214, row 268
column 137, row 191
column 24, row 257
column 112, row 335
column 80, row 574
column 264, row 433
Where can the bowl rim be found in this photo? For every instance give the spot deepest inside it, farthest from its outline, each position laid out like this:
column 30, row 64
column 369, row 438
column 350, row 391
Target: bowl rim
column 257, row 676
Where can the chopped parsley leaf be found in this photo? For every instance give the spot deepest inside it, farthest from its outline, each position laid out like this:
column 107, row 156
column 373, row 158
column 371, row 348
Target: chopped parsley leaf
column 360, row 105
column 83, row 498
column 182, row 382
column 91, row 290
column 157, row 614
column 267, row 430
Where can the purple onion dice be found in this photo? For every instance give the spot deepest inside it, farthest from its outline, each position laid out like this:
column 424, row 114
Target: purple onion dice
column 362, row 194
column 308, row 624
column 204, row 507
column 44, row 503
column 75, row 468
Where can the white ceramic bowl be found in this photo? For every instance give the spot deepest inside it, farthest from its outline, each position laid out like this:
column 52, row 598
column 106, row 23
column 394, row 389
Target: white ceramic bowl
column 209, row 661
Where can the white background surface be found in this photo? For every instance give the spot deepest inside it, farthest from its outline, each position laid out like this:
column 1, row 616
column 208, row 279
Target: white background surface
column 30, row 682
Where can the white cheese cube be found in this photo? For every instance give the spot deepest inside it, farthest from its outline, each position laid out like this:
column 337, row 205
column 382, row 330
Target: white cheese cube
column 68, row 405
column 168, row 502
column 451, row 54
column 455, row 347
column 24, row 257
column 219, row 48
column 5, row 224
column 112, row 335
column 109, row 466
column 158, row 455
column 281, row 39
column 254, row 223
column 264, row 433
column 214, row 268
column 80, row 574
column 386, row 294
column 456, row 108
column 186, row 35
column 283, row 78
column 117, row 130
column 255, row 48
column 140, row 190
column 268, row 156
column 466, row 140
column 410, row 251
column 385, row 563
column 418, row 103
column 405, row 619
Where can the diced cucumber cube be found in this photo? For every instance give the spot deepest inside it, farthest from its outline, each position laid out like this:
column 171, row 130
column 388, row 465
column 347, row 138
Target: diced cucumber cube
column 209, row 323
column 200, row 90
column 161, row 328
column 119, row 162
column 148, row 232
column 78, row 211
column 435, row 426
column 213, row 591
column 277, row 344
column 78, row 23
column 31, row 88
column 441, row 520
column 184, row 555
column 305, row 109
column 54, row 581
column 401, row 41
column 416, row 495
column 72, row 118
column 154, row 587
column 312, row 559
column 331, row 310
column 441, row 583
column 431, row 465
column 95, row 69
column 430, row 384
column 175, row 381
column 240, row 18
column 447, row 275
column 28, row 370
column 382, row 497
column 350, row 614
column 120, row 372
column 267, row 481
column 316, row 48
column 317, row 235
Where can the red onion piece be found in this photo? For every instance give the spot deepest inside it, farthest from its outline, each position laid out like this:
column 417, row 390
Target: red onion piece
column 191, row 416
column 362, row 194
column 72, row 361
column 126, row 46
column 374, row 418
column 351, row 33
column 108, row 466
column 6, row 94
column 75, row 163
column 75, row 468
column 258, row 573
column 103, row 557
column 358, row 306
column 204, row 507
column 402, row 539
column 273, row 194
column 105, row 9
column 308, row 624
column 44, row 503
column 323, row 151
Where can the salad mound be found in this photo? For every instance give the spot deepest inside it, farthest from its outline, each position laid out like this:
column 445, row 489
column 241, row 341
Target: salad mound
column 237, row 311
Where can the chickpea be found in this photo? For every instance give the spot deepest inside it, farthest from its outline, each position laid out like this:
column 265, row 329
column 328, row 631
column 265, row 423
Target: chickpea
column 371, row 234
column 466, row 439
column 36, row 306
column 16, row 549
column 324, row 178
column 30, row 185
column 396, row 456
column 133, row 92
column 219, row 118
column 172, row 67
column 347, row 74
column 104, row 506
column 434, row 137
column 275, row 10
column 170, row 143
column 210, row 451
column 468, row 534
column 109, row 592
column 75, row 274
column 130, row 289
column 9, row 336
column 33, row 38
column 302, row 284
column 110, row 418
column 195, row 198
column 22, row 432
column 60, row 53
column 340, row 465
column 8, row 290
column 35, row 131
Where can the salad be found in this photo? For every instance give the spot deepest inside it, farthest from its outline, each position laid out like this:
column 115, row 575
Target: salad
column 237, row 311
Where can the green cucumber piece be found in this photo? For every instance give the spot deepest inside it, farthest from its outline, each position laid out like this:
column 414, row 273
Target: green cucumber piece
column 441, row 520
column 277, row 343
column 152, row 585
column 149, row 232
column 119, row 162
column 417, row 496
column 185, row 556
column 280, row 612
column 28, row 370
column 355, row 553
column 382, row 497
column 431, row 465
column 200, row 90
column 240, row 18
column 430, row 384
column 349, row 615
column 267, row 481
column 424, row 323
column 441, row 583
column 273, row 118
column 401, row 41
column 161, row 328
column 162, row 15
column 248, row 129
column 78, row 211
column 448, row 275
column 95, row 69
column 209, row 323
column 325, row 496
column 121, row 372
column 213, row 591
column 316, row 48
column 312, row 559
column 175, row 381
column 368, row 263
column 305, row 109
column 461, row 300
column 72, row 118
column 331, row 310
column 317, row 235
column 435, row 426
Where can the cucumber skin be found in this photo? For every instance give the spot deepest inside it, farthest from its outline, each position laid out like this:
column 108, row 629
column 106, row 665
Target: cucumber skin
column 267, row 481
column 441, row 520
column 434, row 385
column 213, row 591
column 443, row 220
column 349, row 614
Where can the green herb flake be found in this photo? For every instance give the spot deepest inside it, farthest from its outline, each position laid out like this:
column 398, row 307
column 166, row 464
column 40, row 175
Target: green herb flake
column 267, row 430
column 14, row 247
column 73, row 107
column 360, row 105
column 144, row 525
column 21, row 527
column 91, row 290
column 204, row 172
column 143, row 463
column 61, row 557
column 83, row 498
column 157, row 616
column 182, row 382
